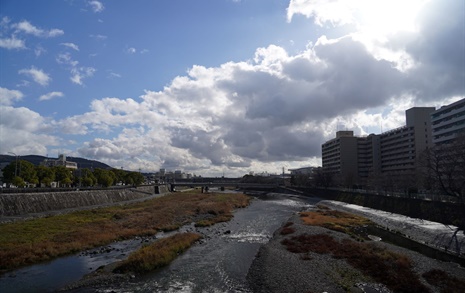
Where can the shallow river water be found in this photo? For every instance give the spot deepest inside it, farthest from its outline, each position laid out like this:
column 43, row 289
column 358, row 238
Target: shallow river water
column 219, row 263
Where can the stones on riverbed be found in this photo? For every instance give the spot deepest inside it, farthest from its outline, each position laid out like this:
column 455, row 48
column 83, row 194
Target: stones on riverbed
column 101, row 250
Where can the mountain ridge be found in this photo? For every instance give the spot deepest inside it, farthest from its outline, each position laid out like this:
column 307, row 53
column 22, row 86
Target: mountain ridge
column 36, row 160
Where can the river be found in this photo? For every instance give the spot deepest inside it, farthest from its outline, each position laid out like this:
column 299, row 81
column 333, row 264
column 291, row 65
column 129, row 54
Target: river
column 219, row 263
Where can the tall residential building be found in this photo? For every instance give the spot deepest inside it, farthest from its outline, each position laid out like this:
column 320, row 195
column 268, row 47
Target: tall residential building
column 401, row 148
column 340, row 154
column 394, row 152
column 448, row 122
column 369, row 154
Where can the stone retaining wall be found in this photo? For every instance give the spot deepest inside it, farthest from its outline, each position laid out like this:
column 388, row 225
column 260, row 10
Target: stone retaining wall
column 27, row 203
column 436, row 211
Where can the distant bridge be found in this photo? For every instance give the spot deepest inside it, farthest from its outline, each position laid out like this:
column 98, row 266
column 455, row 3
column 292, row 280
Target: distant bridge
column 236, row 184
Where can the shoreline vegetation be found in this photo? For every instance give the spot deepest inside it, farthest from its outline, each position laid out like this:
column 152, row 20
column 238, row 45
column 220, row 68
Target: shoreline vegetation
column 42, row 239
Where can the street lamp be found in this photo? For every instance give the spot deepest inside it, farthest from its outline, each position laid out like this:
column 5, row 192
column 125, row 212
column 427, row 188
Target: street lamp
column 16, row 163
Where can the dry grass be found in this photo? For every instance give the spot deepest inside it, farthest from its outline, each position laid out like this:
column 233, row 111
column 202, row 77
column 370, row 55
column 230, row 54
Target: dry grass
column 158, row 254
column 392, row 269
column 28, row 242
column 287, row 229
column 337, row 221
column 444, row 282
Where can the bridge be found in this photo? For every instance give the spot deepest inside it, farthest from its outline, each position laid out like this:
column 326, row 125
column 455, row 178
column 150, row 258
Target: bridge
column 235, row 184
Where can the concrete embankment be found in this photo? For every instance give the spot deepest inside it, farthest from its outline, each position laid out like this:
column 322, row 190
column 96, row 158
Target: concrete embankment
column 20, row 204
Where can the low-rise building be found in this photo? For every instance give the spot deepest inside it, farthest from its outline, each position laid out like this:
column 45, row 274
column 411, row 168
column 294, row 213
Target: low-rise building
column 61, row 161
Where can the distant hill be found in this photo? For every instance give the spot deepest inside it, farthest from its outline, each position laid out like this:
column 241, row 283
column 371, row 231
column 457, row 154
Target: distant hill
column 36, row 160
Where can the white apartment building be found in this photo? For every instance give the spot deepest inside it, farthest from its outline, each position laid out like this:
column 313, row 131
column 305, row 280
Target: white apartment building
column 448, row 122
column 61, row 161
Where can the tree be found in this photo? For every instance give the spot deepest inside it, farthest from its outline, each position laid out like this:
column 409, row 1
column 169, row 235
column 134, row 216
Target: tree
column 120, row 175
column 23, row 169
column 18, row 181
column 9, row 172
column 63, row 175
column 45, row 175
column 27, row 171
column 444, row 165
column 104, row 177
column 87, row 177
column 134, row 178
column 322, row 177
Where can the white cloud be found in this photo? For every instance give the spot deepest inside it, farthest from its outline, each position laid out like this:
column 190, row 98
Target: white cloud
column 96, row 6
column 99, row 37
column 113, row 75
column 131, row 50
column 24, row 132
column 8, row 97
column 37, row 75
column 50, row 96
column 336, row 12
column 12, row 43
column 65, row 58
column 78, row 74
column 71, row 45
column 39, row 50
column 26, row 27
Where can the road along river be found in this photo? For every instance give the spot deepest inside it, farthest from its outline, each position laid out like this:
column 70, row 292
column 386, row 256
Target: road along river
column 219, row 263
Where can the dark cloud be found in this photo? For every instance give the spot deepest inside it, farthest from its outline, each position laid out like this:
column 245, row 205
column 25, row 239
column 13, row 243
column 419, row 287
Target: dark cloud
column 439, row 51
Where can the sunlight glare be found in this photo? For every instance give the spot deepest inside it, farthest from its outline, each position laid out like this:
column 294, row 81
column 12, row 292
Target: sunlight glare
column 388, row 16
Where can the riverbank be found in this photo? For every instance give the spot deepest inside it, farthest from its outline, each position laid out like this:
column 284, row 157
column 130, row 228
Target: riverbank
column 276, row 269
column 28, row 242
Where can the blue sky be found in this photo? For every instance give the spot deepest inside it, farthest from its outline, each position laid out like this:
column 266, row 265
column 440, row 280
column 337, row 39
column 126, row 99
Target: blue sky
column 218, row 86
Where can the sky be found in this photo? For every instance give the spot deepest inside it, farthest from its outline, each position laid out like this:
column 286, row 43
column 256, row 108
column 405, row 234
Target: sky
column 219, row 87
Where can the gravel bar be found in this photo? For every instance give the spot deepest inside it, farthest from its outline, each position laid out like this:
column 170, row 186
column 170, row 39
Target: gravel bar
column 277, row 270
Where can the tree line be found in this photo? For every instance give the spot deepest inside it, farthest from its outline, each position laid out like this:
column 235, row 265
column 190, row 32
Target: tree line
column 22, row 173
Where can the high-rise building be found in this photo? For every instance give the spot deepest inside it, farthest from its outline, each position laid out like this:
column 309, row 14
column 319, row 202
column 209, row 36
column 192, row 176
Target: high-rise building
column 340, row 154
column 448, row 122
column 401, row 148
column 395, row 152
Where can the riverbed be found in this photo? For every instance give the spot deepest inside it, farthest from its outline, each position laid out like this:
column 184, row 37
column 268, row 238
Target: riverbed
column 219, row 263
